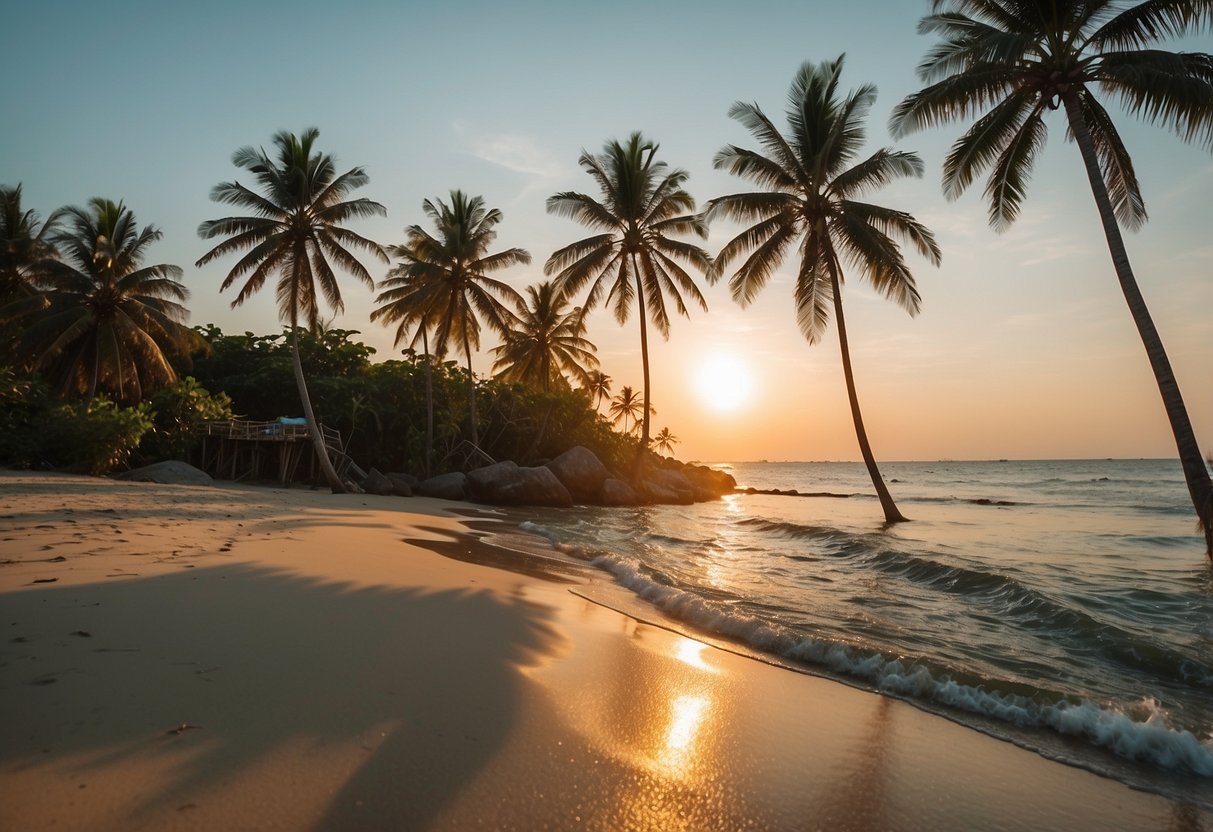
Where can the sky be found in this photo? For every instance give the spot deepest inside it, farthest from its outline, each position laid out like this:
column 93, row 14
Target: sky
column 1024, row 347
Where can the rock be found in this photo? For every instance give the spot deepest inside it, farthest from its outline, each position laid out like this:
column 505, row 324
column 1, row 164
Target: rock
column 710, row 480
column 171, row 472
column 581, row 472
column 664, row 485
column 377, row 483
column 505, row 483
column 451, row 486
column 617, row 493
column 403, row 484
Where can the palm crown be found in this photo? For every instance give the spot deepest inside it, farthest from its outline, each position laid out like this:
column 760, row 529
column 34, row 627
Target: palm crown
column 547, row 342
column 295, row 229
column 810, row 199
column 1013, row 62
column 109, row 320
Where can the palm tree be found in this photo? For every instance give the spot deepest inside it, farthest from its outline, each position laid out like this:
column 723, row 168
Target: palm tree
column 445, row 279
column 1014, row 62
column 104, row 321
column 627, row 405
column 547, row 342
column 24, row 244
column 295, row 230
column 598, row 387
column 810, row 188
column 403, row 300
column 633, row 258
column 665, row 441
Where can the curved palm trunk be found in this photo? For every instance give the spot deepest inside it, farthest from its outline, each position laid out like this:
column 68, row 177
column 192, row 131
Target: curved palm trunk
column 891, row 514
column 313, row 428
column 644, row 360
column 467, row 350
column 429, row 403
column 1200, row 487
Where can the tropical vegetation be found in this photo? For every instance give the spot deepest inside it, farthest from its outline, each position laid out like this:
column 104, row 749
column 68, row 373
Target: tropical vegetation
column 295, row 230
column 445, row 282
column 1010, row 64
column 810, row 198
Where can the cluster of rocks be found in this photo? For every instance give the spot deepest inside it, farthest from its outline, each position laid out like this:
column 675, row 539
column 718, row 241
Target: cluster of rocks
column 576, row 476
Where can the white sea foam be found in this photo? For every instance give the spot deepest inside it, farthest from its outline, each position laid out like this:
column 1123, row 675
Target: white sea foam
column 1149, row 737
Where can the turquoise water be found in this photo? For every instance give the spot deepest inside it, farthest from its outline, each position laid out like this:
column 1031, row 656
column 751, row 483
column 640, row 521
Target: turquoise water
column 1066, row 606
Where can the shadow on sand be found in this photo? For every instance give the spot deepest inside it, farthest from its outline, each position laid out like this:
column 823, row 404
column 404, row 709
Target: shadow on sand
column 257, row 663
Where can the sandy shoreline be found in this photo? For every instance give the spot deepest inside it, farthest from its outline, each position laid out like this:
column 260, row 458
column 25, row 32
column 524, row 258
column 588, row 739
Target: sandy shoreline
column 240, row 657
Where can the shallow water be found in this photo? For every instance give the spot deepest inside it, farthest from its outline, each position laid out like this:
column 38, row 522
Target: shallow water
column 1063, row 605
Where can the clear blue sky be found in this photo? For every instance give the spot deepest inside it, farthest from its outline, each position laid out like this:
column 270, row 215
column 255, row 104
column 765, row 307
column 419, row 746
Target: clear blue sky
column 1024, row 347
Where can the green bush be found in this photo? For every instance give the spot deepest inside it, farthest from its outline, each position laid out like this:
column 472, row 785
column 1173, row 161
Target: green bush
column 177, row 412
column 94, row 437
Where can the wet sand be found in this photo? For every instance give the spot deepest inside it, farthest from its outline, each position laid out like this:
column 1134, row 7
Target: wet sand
column 241, row 657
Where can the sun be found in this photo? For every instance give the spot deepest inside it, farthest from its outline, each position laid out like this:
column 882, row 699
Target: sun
column 723, row 382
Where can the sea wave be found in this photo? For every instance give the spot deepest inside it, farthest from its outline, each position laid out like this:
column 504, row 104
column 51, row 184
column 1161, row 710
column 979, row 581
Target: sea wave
column 1140, row 733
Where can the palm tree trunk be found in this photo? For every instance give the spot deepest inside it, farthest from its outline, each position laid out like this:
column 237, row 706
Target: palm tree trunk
column 644, row 360
column 313, row 429
column 467, row 350
column 1200, row 487
column 429, row 402
column 891, row 514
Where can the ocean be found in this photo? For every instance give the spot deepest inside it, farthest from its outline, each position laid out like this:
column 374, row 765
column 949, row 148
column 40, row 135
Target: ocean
column 1065, row 606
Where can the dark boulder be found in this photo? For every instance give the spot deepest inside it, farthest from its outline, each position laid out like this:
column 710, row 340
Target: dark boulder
column 403, row 484
column 451, row 486
column 377, row 483
column 710, row 480
column 505, row 483
column 581, row 472
column 617, row 493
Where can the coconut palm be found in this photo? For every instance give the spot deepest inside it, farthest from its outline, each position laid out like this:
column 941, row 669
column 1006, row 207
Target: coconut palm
column 294, row 232
column 102, row 321
column 810, row 195
column 665, row 441
column 24, row 245
column 598, row 387
column 1012, row 63
column 546, row 343
column 627, row 405
column 633, row 259
column 446, row 279
column 403, row 300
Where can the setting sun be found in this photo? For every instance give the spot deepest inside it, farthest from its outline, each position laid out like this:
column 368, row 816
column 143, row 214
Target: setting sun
column 723, row 382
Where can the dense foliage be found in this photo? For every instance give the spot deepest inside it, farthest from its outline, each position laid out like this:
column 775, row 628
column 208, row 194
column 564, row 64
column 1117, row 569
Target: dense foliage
column 379, row 408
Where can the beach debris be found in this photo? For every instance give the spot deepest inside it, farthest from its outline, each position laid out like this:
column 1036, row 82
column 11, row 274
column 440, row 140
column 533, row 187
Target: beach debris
column 82, row 634
column 45, row 679
column 182, row 728
column 43, row 580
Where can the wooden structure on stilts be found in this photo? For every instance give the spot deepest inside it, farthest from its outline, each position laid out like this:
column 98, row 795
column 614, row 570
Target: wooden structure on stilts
column 238, row 449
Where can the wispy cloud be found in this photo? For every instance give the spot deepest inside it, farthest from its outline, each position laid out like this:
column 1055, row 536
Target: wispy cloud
column 517, row 153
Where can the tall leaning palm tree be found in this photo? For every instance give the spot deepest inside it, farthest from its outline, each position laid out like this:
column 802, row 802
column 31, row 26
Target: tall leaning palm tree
column 1013, row 62
column 547, row 343
column 634, row 258
column 445, row 279
column 294, row 231
column 810, row 198
column 103, row 321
